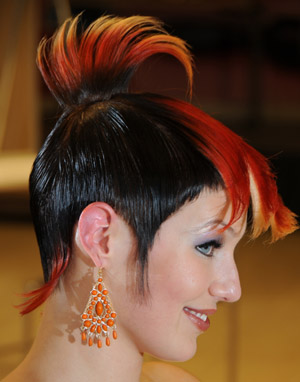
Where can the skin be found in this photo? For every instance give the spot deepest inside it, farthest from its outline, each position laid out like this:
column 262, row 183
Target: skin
column 181, row 274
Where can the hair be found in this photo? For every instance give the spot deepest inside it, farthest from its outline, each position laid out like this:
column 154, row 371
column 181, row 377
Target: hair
column 146, row 155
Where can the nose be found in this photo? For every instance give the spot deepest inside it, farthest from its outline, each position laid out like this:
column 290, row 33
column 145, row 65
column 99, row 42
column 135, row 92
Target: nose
column 227, row 286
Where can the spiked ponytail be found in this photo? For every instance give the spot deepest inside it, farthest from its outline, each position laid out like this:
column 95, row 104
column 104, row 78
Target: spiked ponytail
column 96, row 63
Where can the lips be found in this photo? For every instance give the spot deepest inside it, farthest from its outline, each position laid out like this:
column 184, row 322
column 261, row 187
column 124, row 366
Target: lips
column 199, row 317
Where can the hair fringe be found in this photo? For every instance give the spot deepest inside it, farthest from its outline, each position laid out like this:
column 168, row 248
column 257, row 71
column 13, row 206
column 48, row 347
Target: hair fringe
column 79, row 65
column 245, row 179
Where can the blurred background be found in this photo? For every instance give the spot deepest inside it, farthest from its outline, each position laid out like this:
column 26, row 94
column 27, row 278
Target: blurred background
column 247, row 74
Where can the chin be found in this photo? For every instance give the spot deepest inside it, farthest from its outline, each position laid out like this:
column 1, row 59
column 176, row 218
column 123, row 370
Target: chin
column 178, row 353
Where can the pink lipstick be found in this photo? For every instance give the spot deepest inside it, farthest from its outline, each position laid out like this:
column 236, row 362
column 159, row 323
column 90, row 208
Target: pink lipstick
column 199, row 317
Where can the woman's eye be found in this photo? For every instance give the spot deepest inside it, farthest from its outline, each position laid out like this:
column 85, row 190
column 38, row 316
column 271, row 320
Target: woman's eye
column 207, row 249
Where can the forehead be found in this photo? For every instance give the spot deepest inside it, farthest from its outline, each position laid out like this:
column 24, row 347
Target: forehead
column 208, row 206
column 210, row 210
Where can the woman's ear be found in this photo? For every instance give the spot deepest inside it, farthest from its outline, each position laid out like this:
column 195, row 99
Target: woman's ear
column 93, row 231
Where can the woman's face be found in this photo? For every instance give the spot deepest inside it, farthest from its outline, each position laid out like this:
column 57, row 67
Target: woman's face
column 191, row 268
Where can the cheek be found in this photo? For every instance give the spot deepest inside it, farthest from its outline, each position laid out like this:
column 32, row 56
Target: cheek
column 165, row 279
column 159, row 327
column 178, row 281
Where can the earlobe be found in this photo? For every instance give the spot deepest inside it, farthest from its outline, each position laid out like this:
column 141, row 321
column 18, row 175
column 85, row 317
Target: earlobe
column 93, row 231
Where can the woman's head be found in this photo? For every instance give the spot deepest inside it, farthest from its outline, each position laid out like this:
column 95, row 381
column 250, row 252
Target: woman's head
column 144, row 155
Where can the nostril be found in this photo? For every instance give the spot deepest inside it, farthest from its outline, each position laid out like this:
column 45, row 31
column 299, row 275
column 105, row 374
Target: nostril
column 229, row 290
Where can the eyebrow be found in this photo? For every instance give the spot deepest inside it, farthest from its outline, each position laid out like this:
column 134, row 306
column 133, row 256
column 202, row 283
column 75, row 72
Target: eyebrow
column 213, row 223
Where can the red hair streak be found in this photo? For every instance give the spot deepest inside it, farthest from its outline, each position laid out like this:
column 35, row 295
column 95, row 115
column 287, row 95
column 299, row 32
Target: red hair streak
column 38, row 296
column 246, row 172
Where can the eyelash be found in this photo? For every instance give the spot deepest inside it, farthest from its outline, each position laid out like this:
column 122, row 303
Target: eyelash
column 214, row 244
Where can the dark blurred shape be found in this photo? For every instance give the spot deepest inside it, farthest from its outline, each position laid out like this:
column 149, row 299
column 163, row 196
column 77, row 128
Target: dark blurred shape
column 282, row 42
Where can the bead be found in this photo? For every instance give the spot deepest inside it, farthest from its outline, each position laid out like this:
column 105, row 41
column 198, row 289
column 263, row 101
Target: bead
column 89, row 312
column 104, row 327
column 93, row 302
column 87, row 324
column 94, row 320
column 105, row 292
column 107, row 315
column 83, row 336
column 84, row 316
column 93, row 328
column 99, row 329
column 100, row 280
column 95, row 298
column 94, row 292
column 99, row 287
column 107, row 341
column 113, row 315
column 115, row 335
column 90, row 341
column 99, row 343
column 99, row 308
column 90, row 316
column 110, row 322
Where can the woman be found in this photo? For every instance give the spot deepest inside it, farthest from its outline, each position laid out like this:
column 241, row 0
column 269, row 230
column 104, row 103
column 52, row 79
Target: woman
column 138, row 202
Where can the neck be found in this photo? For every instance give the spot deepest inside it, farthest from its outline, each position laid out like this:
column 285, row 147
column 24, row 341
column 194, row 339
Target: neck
column 58, row 354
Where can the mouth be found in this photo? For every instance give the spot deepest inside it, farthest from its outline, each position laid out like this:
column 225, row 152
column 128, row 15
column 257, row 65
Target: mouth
column 199, row 317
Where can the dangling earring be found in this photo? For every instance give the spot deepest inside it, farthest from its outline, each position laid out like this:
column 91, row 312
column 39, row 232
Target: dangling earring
column 98, row 318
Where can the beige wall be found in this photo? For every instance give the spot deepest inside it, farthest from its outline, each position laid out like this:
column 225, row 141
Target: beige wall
column 256, row 339
column 19, row 111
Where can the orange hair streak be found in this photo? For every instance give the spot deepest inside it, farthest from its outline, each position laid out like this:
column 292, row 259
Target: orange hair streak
column 246, row 172
column 102, row 58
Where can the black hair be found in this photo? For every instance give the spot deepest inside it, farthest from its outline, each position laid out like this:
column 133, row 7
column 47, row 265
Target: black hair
column 130, row 152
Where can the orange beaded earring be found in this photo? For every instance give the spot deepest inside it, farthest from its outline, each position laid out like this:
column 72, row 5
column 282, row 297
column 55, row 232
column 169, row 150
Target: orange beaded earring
column 98, row 318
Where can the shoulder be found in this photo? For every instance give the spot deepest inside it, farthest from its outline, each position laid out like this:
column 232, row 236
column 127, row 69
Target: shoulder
column 163, row 372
